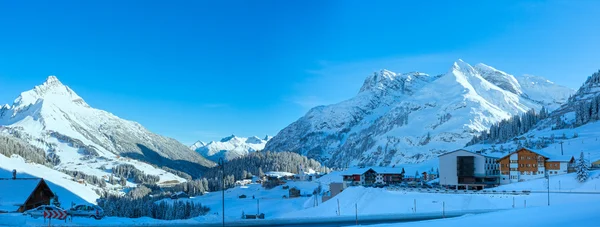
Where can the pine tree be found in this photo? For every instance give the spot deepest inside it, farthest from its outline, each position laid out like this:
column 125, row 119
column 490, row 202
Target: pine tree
column 123, row 181
column 582, row 169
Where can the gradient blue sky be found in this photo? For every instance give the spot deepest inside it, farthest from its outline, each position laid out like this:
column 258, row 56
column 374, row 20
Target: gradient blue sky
column 200, row 70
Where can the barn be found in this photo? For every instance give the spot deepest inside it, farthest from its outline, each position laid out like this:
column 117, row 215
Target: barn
column 21, row 194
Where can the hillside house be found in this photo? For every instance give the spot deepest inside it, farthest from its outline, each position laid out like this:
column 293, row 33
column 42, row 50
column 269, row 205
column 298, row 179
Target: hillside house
column 596, row 164
column 21, row 194
column 526, row 164
column 294, row 192
column 180, row 195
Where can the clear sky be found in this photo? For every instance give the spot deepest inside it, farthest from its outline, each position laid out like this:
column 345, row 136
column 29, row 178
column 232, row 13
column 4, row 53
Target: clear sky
column 200, row 70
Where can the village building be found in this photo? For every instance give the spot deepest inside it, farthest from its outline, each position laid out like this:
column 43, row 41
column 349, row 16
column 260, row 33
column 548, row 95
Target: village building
column 294, row 192
column 462, row 169
column 335, row 188
column 180, row 195
column 526, row 164
column 274, row 179
column 373, row 176
column 24, row 194
column 596, row 164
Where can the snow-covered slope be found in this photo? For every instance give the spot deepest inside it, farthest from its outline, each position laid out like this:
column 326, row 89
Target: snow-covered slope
column 575, row 124
column 412, row 117
column 229, row 147
column 54, row 118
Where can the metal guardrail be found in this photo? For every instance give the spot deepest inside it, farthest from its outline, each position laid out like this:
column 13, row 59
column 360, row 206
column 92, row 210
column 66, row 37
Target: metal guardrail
column 486, row 191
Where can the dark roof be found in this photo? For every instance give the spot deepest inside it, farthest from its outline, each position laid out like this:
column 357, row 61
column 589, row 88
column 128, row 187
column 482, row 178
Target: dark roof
column 550, row 157
column 15, row 192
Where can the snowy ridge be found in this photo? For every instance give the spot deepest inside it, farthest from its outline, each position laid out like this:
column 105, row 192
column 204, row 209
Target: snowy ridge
column 229, row 147
column 412, row 117
column 54, row 118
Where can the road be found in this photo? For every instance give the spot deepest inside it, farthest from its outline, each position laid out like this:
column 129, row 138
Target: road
column 345, row 220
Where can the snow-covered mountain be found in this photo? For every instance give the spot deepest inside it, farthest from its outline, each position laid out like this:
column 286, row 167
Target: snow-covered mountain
column 229, row 147
column 413, row 117
column 54, row 118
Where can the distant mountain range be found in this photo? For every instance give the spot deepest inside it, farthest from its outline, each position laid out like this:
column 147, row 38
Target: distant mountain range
column 413, row 117
column 229, row 147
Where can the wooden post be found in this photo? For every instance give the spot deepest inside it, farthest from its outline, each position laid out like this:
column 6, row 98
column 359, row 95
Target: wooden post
column 415, row 210
column 513, row 202
column 525, row 203
column 356, row 212
column 339, row 212
column 258, row 206
column 444, row 209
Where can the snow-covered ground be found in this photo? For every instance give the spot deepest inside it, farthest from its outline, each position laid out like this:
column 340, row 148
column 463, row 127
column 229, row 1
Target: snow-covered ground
column 370, row 201
column 572, row 214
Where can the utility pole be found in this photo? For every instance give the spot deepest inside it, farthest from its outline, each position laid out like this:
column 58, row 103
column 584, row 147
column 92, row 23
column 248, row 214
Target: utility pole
column 548, row 177
column 222, row 164
column 561, row 147
column 415, row 205
column 444, row 209
column 356, row 212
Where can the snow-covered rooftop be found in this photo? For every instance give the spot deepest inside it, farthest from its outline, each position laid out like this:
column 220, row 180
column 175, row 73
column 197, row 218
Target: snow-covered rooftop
column 550, row 156
column 377, row 169
column 278, row 174
column 13, row 193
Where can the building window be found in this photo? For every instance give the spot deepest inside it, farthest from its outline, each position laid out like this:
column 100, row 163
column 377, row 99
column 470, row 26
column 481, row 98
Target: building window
column 534, row 165
column 527, row 165
column 521, row 165
column 528, row 158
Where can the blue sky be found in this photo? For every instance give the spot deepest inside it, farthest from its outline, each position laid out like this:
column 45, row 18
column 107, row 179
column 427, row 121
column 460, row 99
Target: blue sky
column 203, row 70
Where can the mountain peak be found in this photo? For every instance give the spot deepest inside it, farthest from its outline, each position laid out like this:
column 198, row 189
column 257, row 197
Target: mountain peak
column 52, row 80
column 197, row 144
column 228, row 138
column 52, row 90
column 461, row 65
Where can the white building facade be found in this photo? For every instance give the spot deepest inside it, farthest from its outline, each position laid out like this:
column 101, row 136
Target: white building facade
column 462, row 168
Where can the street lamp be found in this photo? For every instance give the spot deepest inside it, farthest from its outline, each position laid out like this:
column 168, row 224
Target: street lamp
column 222, row 165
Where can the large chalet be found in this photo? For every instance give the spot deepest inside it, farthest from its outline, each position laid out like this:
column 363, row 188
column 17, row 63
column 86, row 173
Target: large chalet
column 526, row 164
column 373, row 176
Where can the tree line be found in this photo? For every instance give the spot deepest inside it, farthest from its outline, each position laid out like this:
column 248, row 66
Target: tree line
column 150, row 206
column 129, row 171
column 91, row 179
column 508, row 129
column 10, row 146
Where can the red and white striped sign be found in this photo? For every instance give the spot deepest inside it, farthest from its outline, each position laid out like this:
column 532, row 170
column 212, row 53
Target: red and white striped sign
column 58, row 214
